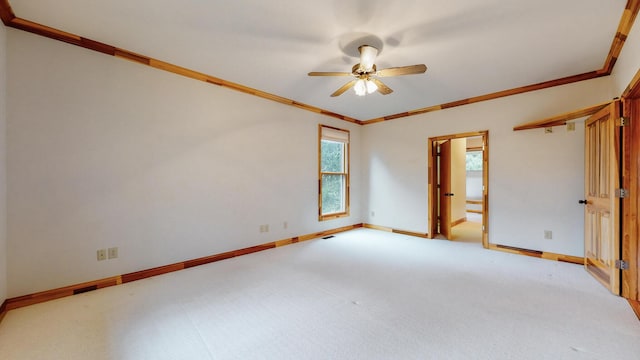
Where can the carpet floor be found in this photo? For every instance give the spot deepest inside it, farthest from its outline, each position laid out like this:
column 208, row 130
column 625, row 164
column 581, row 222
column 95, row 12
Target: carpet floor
column 363, row 294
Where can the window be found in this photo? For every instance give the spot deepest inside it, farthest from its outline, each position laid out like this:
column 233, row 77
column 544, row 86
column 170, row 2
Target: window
column 474, row 160
column 333, row 173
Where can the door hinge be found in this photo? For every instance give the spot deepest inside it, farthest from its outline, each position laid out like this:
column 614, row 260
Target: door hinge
column 622, row 193
column 622, row 265
column 623, row 121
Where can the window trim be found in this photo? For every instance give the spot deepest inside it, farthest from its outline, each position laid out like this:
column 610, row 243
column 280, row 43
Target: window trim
column 346, row 167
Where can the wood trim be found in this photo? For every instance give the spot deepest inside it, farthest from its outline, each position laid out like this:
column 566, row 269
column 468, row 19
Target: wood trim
column 635, row 306
column 143, row 274
column 633, row 89
column 562, row 118
column 347, row 174
column 491, row 96
column 474, row 211
column 6, row 13
column 397, row 231
column 3, row 310
column 630, row 246
column 475, row 202
column 47, row 295
column 459, row 136
column 626, row 22
column 10, row 20
column 432, row 181
column 624, row 27
column 459, row 221
column 539, row 254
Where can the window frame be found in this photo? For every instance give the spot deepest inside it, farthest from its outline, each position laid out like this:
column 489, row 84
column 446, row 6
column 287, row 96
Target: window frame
column 346, row 167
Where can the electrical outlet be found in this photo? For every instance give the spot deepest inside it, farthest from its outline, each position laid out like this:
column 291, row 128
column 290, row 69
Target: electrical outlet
column 112, row 253
column 264, row 228
column 571, row 126
column 285, row 225
column 373, row 213
column 548, row 234
column 548, row 130
column 102, row 254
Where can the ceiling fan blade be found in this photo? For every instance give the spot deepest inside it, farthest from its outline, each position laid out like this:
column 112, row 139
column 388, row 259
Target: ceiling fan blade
column 344, row 88
column 382, row 88
column 403, row 70
column 329, row 73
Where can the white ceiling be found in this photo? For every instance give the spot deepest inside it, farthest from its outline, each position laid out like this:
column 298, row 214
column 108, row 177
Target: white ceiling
column 471, row 47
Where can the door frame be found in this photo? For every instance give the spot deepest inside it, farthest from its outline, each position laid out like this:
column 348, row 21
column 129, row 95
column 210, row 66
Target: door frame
column 630, row 244
column 432, row 189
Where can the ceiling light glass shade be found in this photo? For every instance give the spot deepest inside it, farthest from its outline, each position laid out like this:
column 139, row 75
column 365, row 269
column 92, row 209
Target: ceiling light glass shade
column 371, row 87
column 367, row 57
column 360, row 88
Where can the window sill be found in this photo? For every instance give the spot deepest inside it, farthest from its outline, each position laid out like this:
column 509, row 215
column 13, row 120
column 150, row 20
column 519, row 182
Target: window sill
column 332, row 216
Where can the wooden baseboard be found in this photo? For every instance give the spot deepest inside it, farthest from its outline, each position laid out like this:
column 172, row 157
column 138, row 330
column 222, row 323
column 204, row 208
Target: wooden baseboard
column 47, row 295
column 635, row 305
column 459, row 221
column 474, row 211
column 539, row 254
column 397, row 231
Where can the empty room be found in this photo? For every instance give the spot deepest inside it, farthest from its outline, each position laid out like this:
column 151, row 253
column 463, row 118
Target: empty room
column 319, row 180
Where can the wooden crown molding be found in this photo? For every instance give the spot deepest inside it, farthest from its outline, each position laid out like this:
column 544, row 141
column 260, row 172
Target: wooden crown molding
column 626, row 22
column 6, row 13
column 11, row 20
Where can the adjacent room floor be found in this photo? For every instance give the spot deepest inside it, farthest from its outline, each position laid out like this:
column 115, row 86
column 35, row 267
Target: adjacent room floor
column 363, row 294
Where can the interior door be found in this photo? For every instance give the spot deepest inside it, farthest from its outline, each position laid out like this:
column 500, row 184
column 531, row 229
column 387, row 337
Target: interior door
column 602, row 206
column 445, row 189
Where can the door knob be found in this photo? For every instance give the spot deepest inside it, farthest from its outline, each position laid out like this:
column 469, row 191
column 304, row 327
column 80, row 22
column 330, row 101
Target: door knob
column 448, row 194
column 585, row 202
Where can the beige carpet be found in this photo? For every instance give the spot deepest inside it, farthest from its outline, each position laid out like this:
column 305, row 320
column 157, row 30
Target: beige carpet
column 468, row 231
column 363, row 294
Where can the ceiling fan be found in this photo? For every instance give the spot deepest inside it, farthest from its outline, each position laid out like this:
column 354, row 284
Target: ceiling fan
column 365, row 74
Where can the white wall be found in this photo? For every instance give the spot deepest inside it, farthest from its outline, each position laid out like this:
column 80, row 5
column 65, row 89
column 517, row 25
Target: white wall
column 458, row 179
column 628, row 62
column 535, row 179
column 3, row 165
column 103, row 152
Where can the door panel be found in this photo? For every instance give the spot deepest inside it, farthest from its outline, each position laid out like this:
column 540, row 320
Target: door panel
column 445, row 189
column 602, row 218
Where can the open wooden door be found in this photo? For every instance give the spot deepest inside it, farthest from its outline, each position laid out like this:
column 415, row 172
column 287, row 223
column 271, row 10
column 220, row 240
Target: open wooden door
column 602, row 201
column 445, row 189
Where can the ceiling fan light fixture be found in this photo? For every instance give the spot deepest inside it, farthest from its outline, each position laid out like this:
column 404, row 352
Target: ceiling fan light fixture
column 367, row 57
column 364, row 87
column 371, row 87
column 360, row 88
column 366, row 74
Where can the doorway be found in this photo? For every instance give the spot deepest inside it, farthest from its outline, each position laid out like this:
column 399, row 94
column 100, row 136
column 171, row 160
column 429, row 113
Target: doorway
column 458, row 187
